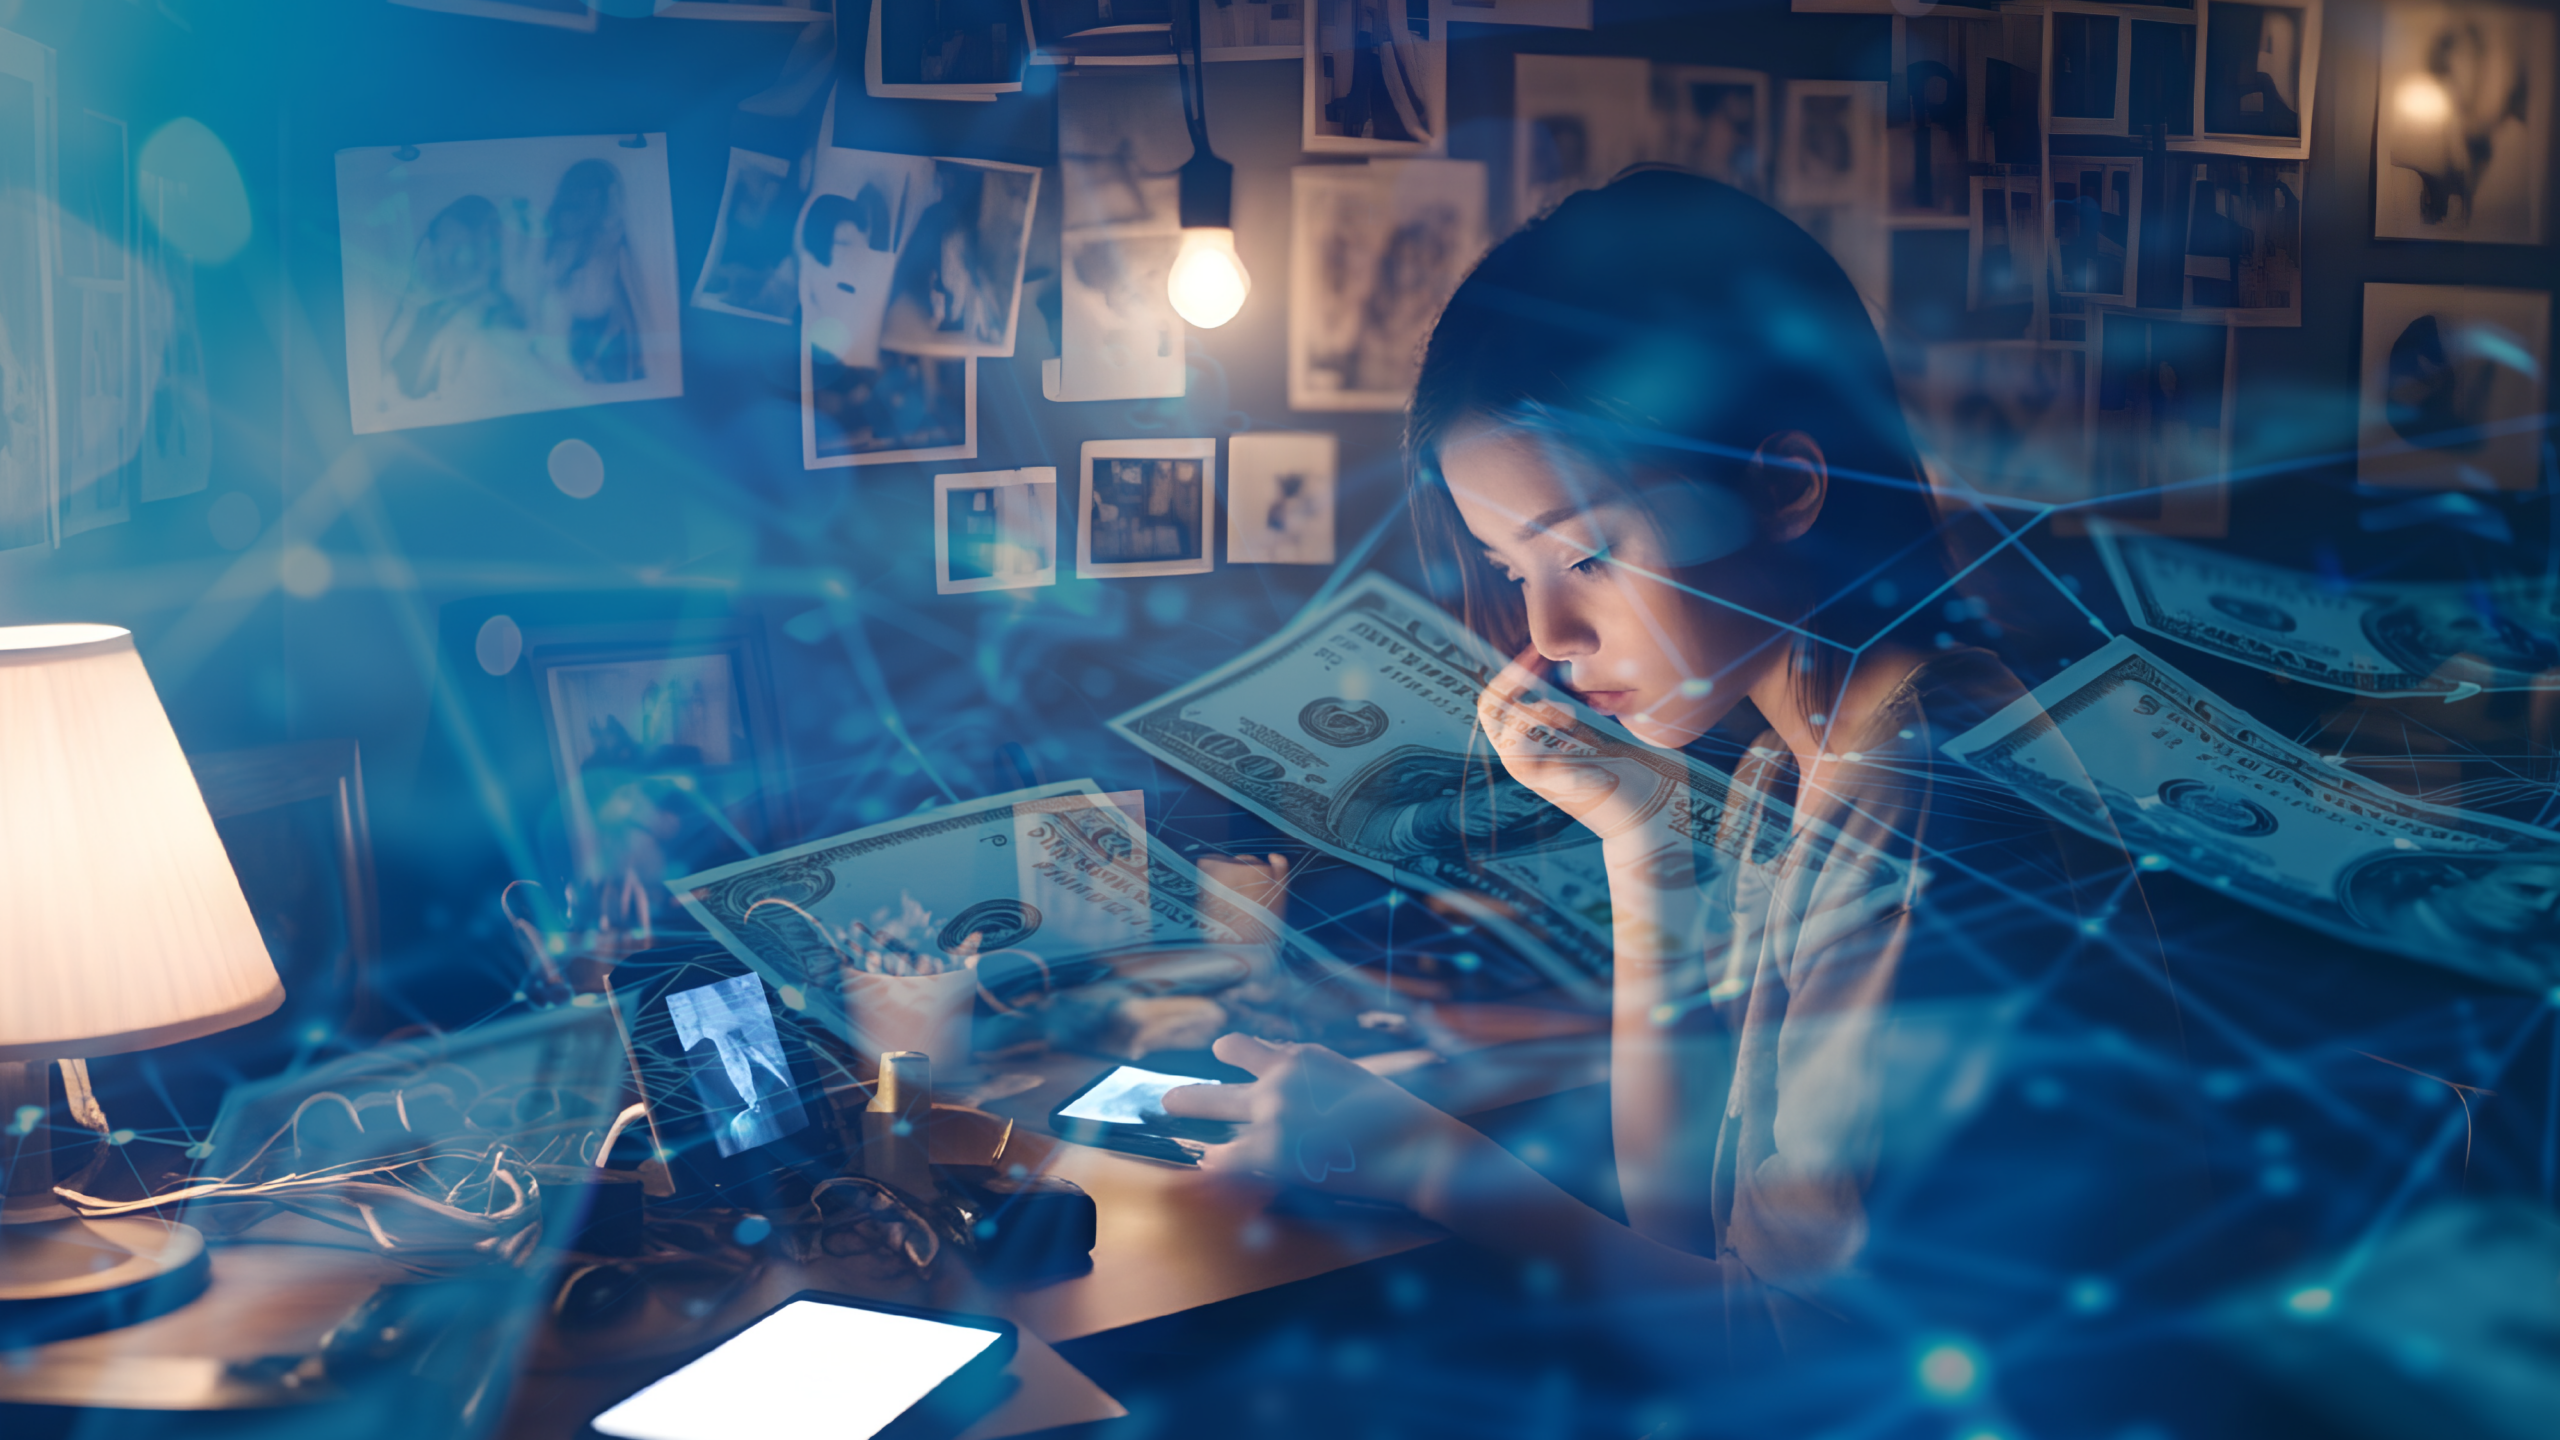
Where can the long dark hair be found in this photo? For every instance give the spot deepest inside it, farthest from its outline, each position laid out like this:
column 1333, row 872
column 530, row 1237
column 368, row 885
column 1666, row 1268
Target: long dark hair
column 1671, row 322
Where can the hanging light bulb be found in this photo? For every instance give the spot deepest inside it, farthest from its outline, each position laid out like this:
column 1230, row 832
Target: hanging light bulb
column 1208, row 282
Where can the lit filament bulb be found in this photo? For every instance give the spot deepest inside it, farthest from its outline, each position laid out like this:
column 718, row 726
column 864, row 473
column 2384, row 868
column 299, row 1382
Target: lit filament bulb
column 1208, row 282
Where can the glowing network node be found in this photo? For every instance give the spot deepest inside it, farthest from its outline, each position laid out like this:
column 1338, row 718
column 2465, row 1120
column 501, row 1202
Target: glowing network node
column 1694, row 688
column 577, row 471
column 2311, row 1301
column 751, row 1230
column 2091, row 1295
column 1950, row 1371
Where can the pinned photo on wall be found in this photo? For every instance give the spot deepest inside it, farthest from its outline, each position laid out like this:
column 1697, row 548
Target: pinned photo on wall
column 2161, row 79
column 2088, row 77
column 753, row 269
column 1577, row 121
column 1376, row 78
column 1714, row 121
column 97, row 326
column 2004, row 73
column 501, row 277
column 897, row 409
column 2243, row 239
column 1252, row 29
column 995, row 530
column 1120, row 142
column 562, row 14
column 1280, row 492
column 27, row 151
column 1930, row 122
column 914, row 253
column 1375, row 250
column 2096, row 236
column 2463, row 144
column 1832, row 144
column 946, row 49
column 2004, row 252
column 2257, row 67
column 2159, row 433
column 2453, row 387
column 2008, row 418
column 1146, row 507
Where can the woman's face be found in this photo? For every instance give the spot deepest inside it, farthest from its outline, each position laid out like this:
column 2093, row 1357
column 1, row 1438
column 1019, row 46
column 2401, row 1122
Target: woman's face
column 1596, row 567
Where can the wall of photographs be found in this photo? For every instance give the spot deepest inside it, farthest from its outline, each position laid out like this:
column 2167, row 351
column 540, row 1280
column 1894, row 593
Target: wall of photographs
column 658, row 436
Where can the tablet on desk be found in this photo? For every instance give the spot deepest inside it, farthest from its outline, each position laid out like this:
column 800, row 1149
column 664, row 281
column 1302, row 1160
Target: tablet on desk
column 732, row 1086
column 827, row 1365
column 1123, row 1109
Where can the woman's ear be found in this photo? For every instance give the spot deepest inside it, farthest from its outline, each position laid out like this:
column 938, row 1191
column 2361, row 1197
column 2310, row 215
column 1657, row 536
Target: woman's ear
column 1792, row 480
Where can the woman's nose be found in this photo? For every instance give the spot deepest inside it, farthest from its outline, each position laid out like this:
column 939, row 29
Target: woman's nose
column 1557, row 630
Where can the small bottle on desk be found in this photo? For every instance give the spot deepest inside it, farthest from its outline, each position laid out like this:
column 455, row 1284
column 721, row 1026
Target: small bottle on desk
column 895, row 1149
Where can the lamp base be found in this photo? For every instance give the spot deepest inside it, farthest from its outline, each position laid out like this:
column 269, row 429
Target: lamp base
column 66, row 1277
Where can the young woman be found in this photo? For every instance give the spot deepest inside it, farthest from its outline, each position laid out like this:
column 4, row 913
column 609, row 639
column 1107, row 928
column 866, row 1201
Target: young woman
column 1656, row 435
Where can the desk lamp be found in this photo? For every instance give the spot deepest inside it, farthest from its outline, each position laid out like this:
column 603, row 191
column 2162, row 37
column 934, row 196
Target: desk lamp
column 121, row 928
column 1208, row 282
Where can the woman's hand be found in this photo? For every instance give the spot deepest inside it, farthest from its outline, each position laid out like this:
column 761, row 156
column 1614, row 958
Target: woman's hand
column 1544, row 742
column 1311, row 1117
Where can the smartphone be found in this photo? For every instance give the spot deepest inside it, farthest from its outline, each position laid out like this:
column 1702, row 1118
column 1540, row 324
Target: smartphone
column 1123, row 1109
column 822, row 1364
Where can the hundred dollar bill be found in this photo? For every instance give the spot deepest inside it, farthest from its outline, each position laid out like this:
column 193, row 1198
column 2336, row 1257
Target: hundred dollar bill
column 1060, row 871
column 1354, row 730
column 2121, row 744
column 2372, row 638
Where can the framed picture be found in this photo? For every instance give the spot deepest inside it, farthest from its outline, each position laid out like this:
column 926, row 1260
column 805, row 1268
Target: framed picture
column 1146, row 507
column 2452, row 382
column 2462, row 149
column 2004, row 252
column 2096, row 237
column 1376, row 78
column 28, row 485
column 2257, row 68
column 1253, row 29
column 2159, row 434
column 1714, row 121
column 1577, row 121
column 936, row 52
column 1375, row 251
column 1930, row 123
column 2243, row 263
column 1831, row 149
column 561, row 14
column 1280, row 491
column 901, row 409
column 1121, row 144
column 753, row 268
column 2087, row 69
column 2161, row 78
column 995, row 530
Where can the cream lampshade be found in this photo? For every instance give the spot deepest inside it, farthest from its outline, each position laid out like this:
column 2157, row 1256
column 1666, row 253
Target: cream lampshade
column 122, row 928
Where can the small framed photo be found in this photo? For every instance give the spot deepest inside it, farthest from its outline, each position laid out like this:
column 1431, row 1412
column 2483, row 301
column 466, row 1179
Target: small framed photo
column 1146, row 508
column 753, row 269
column 2256, row 69
column 2463, row 150
column 1714, row 121
column 2088, row 77
column 1377, row 77
column 2243, row 263
column 1832, row 150
column 1280, row 489
column 995, row 530
column 2096, row 234
column 560, row 14
column 2453, row 377
column 900, row 409
column 946, row 52
column 2004, row 253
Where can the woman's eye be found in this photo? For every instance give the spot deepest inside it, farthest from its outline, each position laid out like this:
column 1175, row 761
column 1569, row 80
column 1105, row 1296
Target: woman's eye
column 1593, row 564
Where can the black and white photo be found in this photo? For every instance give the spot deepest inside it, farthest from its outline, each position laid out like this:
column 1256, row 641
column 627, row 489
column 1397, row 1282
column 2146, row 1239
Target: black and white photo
column 2160, row 78
column 659, row 763
column 2096, row 234
column 1374, row 252
column 740, row 1076
column 1146, row 507
column 1120, row 143
column 1831, row 150
column 1252, row 29
column 946, row 49
column 1714, row 121
column 501, row 277
column 2257, row 67
column 913, row 253
column 2453, row 387
column 2159, row 433
column 753, row 268
column 2088, row 75
column 27, row 487
column 2243, row 263
column 995, row 530
column 1577, row 121
column 1376, row 78
column 560, row 14
column 2463, row 124
column 1280, row 490
column 1930, row 135
column 2004, row 251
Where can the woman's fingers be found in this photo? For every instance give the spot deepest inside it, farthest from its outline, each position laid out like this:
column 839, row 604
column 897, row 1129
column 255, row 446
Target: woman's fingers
column 1210, row 1102
column 1247, row 1052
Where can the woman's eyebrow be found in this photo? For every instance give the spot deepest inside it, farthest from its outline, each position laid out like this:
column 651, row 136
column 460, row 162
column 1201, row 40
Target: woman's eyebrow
column 1546, row 519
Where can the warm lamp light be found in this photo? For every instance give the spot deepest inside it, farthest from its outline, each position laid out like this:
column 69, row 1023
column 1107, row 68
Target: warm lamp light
column 2422, row 101
column 1208, row 282
column 122, row 928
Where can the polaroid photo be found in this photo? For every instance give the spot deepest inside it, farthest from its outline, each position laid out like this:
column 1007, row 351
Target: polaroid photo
column 502, row 277
column 96, row 326
column 1930, row 127
column 901, row 408
column 913, row 253
column 2096, row 235
column 1252, row 29
column 28, row 485
column 1831, row 149
column 2161, row 78
column 1120, row 143
column 2159, row 432
column 2088, row 74
column 753, row 269
column 2007, row 418
column 2004, row 251
column 562, row 14
column 1577, row 121
column 2452, row 390
column 1280, row 489
column 177, row 411
column 933, row 51
column 1715, row 122
column 995, row 530
column 1376, row 78
column 1146, row 508
column 2243, row 261
column 799, row 12
column 1375, row 250
column 2464, row 105
column 2256, row 69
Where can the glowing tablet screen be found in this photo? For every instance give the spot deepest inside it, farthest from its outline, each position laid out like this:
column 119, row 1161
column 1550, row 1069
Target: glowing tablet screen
column 806, row 1369
column 1128, row 1096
